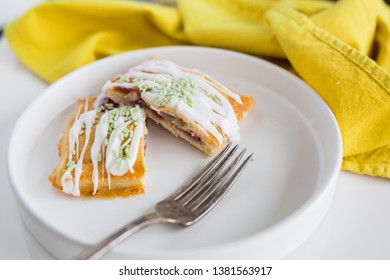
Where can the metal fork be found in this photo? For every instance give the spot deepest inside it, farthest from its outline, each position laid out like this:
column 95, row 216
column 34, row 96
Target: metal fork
column 187, row 205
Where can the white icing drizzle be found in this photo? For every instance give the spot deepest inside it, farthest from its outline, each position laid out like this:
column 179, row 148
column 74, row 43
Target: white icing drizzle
column 98, row 146
column 113, row 158
column 70, row 185
column 204, row 104
column 88, row 119
column 119, row 168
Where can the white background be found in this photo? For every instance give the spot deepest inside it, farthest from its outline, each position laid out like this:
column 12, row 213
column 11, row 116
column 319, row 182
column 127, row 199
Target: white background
column 10, row 9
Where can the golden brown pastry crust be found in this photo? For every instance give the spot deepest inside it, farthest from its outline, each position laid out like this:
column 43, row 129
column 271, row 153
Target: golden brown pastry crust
column 127, row 185
column 195, row 135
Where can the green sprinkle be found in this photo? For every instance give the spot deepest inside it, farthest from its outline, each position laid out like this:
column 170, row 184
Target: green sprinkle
column 123, row 79
column 99, row 157
column 126, row 143
column 124, row 134
column 105, row 142
column 217, row 99
column 127, row 151
column 169, row 91
column 71, row 165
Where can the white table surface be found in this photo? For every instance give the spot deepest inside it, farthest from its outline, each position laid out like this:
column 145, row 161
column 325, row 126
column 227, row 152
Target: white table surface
column 356, row 226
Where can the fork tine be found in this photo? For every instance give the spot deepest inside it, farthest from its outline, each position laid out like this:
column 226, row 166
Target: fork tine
column 217, row 168
column 204, row 207
column 203, row 184
column 204, row 172
column 204, row 191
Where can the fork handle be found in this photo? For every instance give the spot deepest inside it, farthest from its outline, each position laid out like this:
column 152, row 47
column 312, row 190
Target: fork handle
column 103, row 247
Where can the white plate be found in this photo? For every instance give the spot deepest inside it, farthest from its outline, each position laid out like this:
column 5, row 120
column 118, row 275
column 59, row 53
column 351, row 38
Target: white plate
column 276, row 204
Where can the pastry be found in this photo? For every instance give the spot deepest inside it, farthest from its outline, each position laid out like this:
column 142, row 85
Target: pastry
column 102, row 151
column 187, row 102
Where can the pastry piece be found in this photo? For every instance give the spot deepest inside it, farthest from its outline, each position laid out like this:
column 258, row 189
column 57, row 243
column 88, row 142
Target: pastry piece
column 102, row 152
column 188, row 103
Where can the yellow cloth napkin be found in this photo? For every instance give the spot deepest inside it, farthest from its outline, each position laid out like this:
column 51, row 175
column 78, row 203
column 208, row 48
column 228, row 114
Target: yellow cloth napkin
column 341, row 49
